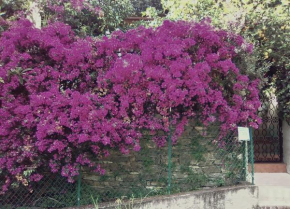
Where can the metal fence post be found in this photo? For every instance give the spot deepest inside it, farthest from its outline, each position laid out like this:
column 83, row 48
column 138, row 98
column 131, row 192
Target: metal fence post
column 244, row 173
column 246, row 166
column 252, row 153
column 79, row 188
column 169, row 156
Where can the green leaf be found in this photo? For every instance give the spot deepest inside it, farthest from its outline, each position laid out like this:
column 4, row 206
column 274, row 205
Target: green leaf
column 20, row 79
column 28, row 69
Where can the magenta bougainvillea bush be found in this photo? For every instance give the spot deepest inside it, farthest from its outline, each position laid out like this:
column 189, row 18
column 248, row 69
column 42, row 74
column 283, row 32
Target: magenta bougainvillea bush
column 67, row 101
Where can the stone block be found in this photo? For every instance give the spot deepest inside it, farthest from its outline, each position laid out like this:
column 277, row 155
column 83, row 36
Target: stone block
column 106, row 162
column 211, row 169
column 217, row 162
column 216, row 175
column 193, row 162
column 135, row 167
column 154, row 183
column 130, row 178
column 180, row 175
column 196, row 169
column 119, row 178
column 185, row 158
column 91, row 177
column 98, row 184
column 134, row 173
column 209, row 156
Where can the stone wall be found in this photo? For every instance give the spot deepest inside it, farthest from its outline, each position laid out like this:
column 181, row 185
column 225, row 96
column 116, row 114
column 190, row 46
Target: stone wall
column 197, row 163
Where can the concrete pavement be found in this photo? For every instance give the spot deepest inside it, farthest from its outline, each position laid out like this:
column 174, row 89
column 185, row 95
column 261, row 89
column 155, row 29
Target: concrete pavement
column 274, row 189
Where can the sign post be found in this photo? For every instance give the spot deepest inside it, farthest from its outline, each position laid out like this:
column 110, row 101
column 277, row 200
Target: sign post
column 244, row 137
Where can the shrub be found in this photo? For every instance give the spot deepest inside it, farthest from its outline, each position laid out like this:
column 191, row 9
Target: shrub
column 66, row 102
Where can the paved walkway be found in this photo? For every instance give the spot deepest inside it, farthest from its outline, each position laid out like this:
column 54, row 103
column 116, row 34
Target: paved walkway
column 274, row 189
column 272, row 179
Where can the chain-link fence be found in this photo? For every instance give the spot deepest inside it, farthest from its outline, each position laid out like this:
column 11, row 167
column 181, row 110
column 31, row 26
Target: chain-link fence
column 198, row 161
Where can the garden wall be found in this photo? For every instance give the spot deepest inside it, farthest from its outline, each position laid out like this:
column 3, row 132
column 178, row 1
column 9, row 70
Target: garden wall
column 197, row 162
column 239, row 197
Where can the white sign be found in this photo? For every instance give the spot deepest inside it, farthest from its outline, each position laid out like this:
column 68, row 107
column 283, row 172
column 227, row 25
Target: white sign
column 244, row 134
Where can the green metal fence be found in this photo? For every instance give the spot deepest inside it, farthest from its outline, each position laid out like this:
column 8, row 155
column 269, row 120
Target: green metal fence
column 197, row 161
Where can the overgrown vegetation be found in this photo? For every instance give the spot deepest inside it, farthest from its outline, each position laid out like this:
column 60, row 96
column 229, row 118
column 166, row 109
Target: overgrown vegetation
column 263, row 23
column 85, row 17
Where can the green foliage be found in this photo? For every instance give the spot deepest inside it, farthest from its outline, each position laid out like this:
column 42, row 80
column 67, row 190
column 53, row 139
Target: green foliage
column 220, row 182
column 87, row 22
column 11, row 9
column 192, row 182
column 145, row 157
column 270, row 31
column 197, row 150
column 95, row 203
column 104, row 178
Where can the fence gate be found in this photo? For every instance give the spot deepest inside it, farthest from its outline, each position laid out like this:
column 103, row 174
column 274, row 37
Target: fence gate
column 268, row 138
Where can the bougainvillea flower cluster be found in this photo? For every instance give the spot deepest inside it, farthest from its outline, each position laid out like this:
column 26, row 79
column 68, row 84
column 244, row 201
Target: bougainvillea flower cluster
column 66, row 101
